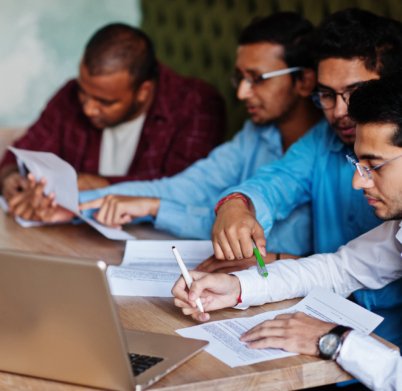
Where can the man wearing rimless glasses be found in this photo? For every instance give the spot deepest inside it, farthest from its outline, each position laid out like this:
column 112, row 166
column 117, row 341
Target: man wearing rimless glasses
column 370, row 261
column 274, row 78
column 353, row 46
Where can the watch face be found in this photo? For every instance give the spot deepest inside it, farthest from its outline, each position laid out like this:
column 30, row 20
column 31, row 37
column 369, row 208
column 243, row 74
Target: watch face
column 328, row 345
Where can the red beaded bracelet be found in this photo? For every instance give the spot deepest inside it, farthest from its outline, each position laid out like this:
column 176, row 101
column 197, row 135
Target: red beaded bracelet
column 231, row 197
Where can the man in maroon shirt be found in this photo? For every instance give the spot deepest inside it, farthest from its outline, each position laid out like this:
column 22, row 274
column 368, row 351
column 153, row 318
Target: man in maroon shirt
column 125, row 117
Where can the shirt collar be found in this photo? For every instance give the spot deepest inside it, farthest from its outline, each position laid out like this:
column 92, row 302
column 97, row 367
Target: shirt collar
column 399, row 233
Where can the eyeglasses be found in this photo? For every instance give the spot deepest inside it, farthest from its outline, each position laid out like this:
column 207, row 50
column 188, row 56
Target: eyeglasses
column 237, row 78
column 326, row 99
column 364, row 171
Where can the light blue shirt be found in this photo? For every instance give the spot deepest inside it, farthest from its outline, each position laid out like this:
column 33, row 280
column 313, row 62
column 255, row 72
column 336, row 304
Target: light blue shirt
column 315, row 170
column 188, row 198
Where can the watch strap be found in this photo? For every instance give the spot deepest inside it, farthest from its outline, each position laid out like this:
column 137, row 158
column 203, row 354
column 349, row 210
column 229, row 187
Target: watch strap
column 340, row 331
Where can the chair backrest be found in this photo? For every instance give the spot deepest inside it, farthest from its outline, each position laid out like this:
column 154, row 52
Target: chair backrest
column 198, row 37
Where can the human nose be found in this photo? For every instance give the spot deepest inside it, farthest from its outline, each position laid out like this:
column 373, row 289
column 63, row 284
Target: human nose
column 360, row 182
column 90, row 107
column 341, row 107
column 244, row 89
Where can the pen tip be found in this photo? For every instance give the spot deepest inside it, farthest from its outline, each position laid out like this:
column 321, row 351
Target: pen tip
column 173, row 247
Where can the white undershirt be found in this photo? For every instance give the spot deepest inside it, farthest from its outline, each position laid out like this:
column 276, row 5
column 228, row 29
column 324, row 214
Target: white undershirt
column 118, row 147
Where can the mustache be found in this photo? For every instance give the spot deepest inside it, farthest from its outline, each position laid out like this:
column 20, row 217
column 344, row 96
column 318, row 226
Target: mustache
column 343, row 123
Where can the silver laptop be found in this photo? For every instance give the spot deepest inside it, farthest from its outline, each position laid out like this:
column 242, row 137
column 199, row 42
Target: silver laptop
column 58, row 321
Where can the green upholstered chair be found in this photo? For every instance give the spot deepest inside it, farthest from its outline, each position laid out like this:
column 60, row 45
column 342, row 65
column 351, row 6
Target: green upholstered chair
column 198, row 37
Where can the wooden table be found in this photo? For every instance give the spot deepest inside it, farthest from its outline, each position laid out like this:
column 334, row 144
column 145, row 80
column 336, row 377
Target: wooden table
column 203, row 372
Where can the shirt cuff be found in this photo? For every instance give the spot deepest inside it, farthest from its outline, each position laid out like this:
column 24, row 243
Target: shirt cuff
column 171, row 217
column 253, row 288
column 370, row 361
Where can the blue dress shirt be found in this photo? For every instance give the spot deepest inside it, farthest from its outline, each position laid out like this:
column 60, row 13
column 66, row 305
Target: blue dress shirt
column 188, row 198
column 315, row 170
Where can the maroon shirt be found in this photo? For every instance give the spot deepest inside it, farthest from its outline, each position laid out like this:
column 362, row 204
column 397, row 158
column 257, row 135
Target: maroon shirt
column 186, row 121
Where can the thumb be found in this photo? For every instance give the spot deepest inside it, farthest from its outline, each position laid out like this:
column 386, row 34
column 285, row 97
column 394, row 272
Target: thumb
column 198, row 286
column 259, row 239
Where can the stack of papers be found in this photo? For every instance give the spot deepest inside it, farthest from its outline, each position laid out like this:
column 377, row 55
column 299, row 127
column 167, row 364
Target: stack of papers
column 223, row 336
column 149, row 267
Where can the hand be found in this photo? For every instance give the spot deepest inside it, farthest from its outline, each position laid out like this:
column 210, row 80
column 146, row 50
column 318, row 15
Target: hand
column 216, row 291
column 213, row 265
column 33, row 204
column 25, row 202
column 116, row 210
column 297, row 333
column 90, row 182
column 235, row 227
column 13, row 184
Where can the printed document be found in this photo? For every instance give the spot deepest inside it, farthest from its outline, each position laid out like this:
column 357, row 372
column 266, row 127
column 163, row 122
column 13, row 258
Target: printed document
column 61, row 179
column 149, row 267
column 223, row 336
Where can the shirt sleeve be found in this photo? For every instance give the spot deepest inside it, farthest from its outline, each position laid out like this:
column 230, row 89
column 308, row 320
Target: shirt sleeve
column 279, row 187
column 372, row 260
column 371, row 362
column 188, row 198
column 185, row 221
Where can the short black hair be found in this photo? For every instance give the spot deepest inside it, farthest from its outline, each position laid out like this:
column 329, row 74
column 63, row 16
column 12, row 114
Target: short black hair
column 117, row 47
column 288, row 29
column 356, row 33
column 380, row 102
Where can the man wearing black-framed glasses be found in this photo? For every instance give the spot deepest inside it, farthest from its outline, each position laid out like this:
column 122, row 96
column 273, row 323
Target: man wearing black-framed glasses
column 372, row 260
column 353, row 46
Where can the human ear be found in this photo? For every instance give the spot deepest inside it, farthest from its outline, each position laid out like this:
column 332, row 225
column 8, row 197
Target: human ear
column 307, row 82
column 145, row 91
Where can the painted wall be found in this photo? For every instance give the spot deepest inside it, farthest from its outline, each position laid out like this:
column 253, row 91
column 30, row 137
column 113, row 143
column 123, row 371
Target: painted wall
column 41, row 42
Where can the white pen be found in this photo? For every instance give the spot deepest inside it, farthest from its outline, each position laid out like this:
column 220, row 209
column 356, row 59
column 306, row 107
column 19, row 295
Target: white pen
column 186, row 275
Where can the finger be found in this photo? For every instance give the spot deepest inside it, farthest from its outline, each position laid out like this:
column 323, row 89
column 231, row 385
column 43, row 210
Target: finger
column 246, row 244
column 31, row 179
column 225, row 246
column 262, row 332
column 15, row 200
column 119, row 211
column 269, row 342
column 102, row 213
column 199, row 286
column 37, row 195
column 94, row 204
column 201, row 316
column 234, row 243
column 259, row 239
column 218, row 250
column 266, row 325
column 179, row 290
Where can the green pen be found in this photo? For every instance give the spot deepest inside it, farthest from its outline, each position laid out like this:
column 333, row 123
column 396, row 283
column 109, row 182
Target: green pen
column 260, row 262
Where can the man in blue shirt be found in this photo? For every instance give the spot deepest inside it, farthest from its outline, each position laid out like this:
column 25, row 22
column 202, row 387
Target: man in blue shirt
column 274, row 78
column 353, row 46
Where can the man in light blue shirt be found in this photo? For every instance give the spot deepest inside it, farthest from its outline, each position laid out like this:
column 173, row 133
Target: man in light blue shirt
column 276, row 93
column 353, row 46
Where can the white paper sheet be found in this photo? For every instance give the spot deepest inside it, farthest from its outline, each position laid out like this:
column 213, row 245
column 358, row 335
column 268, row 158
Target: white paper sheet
column 223, row 336
column 61, row 179
column 150, row 269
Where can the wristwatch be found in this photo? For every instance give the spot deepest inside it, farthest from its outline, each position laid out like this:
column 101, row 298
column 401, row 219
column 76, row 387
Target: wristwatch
column 329, row 345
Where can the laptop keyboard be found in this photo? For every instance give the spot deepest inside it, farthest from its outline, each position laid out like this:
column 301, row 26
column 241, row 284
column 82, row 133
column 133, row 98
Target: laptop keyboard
column 140, row 363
